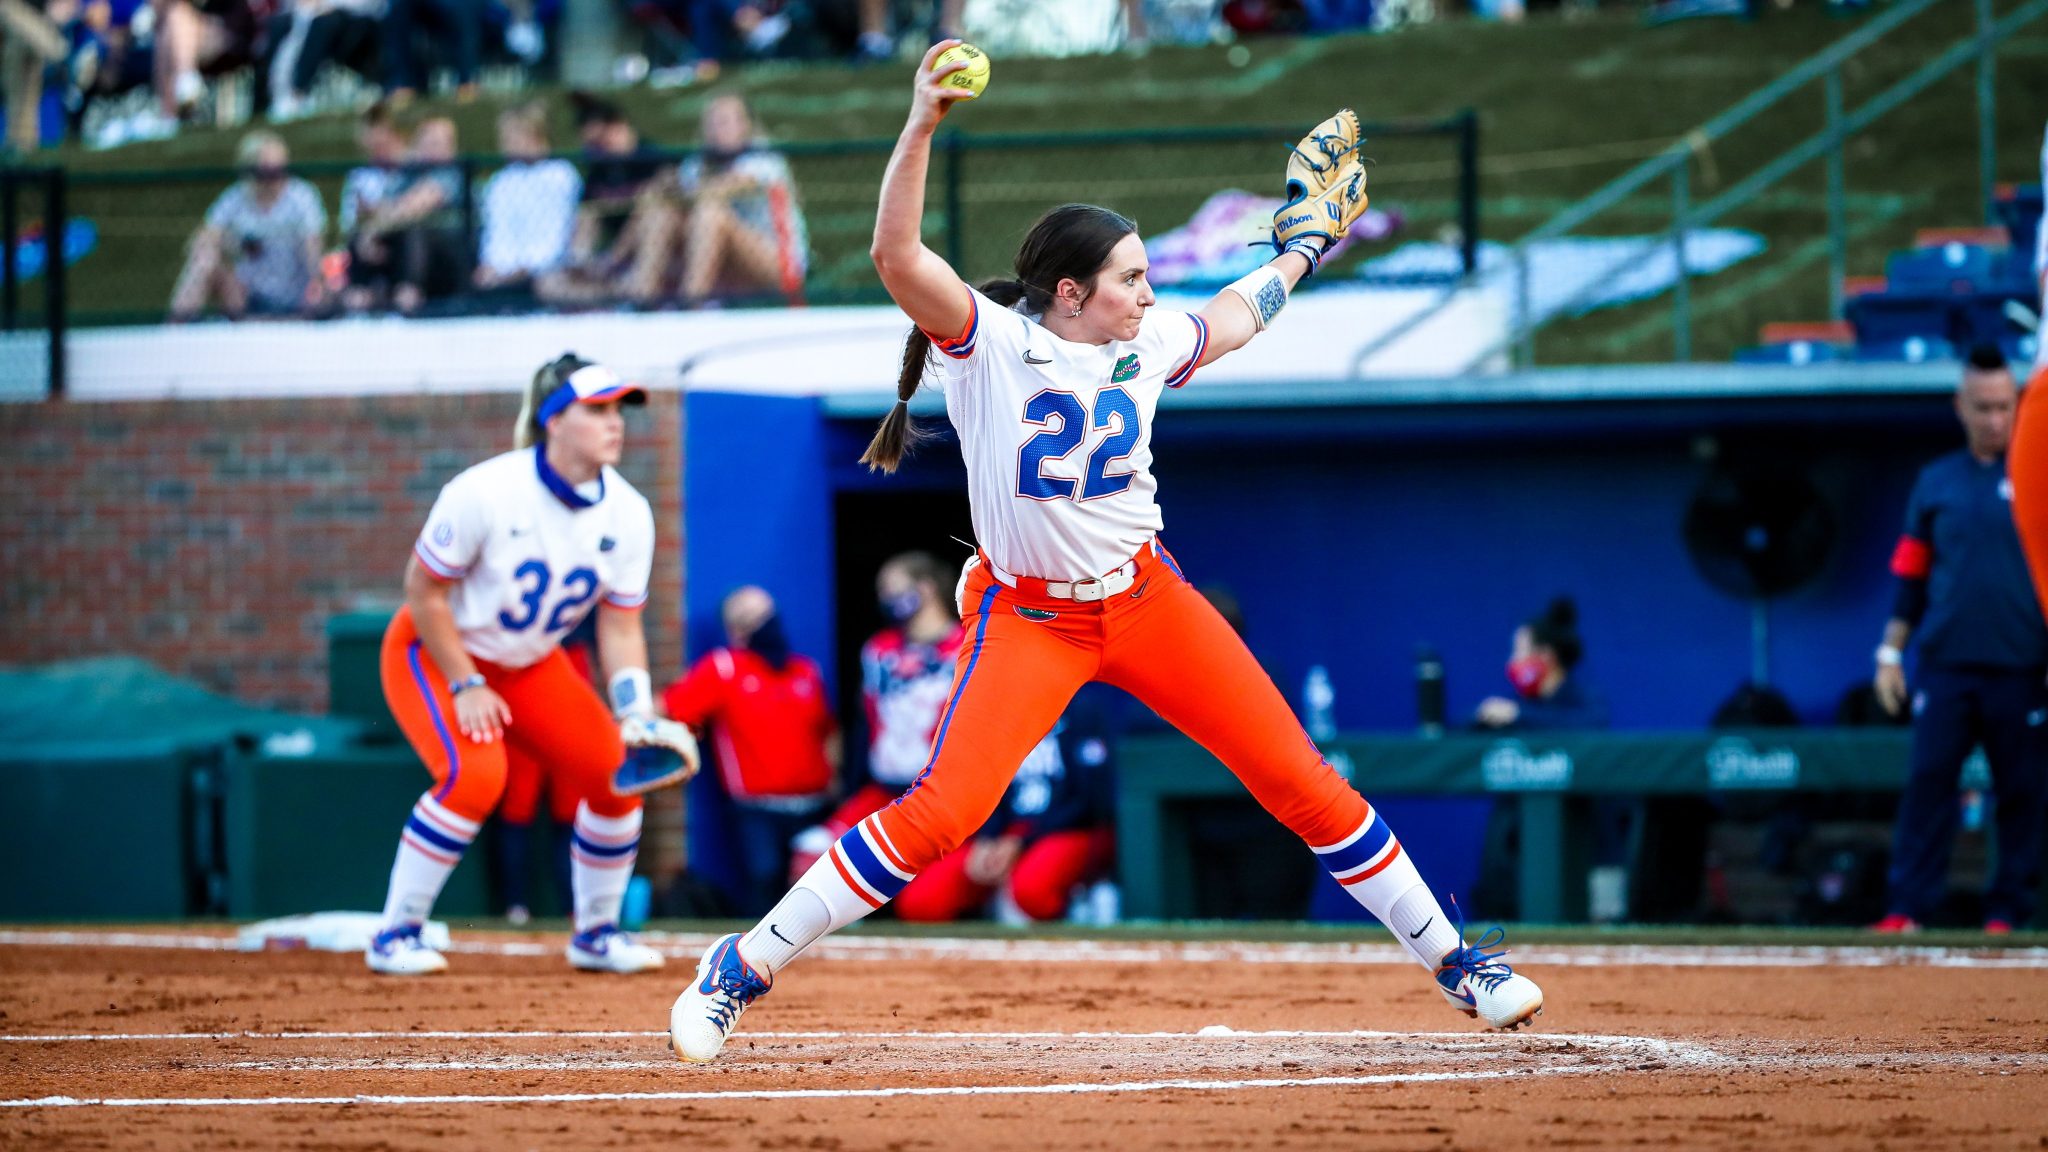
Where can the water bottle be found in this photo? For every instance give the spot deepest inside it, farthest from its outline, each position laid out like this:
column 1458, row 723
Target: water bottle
column 1429, row 691
column 1318, row 700
column 638, row 903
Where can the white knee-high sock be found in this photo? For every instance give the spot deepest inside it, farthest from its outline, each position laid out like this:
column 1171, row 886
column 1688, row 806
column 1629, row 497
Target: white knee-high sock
column 862, row 872
column 429, row 848
column 601, row 854
column 1372, row 867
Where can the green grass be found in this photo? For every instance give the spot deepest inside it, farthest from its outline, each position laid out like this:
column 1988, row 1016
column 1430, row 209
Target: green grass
column 1564, row 107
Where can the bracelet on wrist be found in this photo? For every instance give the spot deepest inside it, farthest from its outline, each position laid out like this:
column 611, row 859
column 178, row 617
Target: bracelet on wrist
column 458, row 687
column 1889, row 657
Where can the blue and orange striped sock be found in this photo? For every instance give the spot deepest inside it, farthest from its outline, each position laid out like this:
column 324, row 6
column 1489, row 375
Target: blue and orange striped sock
column 862, row 872
column 601, row 854
column 429, row 848
column 1374, row 869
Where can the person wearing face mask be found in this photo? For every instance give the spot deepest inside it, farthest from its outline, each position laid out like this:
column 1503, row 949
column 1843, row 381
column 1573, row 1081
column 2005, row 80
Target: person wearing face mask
column 772, row 733
column 906, row 670
column 1547, row 696
column 259, row 251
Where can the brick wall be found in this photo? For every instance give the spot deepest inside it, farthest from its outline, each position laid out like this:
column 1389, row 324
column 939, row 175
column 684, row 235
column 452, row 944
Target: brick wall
column 215, row 538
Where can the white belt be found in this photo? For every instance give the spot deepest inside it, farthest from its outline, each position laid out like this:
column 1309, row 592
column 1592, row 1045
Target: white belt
column 1118, row 579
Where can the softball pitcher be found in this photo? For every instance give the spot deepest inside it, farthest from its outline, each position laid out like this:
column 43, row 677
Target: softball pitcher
column 516, row 551
column 1051, row 382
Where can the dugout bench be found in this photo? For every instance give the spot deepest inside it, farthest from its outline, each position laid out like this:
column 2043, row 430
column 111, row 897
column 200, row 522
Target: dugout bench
column 1159, row 775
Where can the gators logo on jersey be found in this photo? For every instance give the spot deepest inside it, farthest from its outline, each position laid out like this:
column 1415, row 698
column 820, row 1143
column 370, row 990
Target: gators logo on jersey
column 1038, row 614
column 1126, row 369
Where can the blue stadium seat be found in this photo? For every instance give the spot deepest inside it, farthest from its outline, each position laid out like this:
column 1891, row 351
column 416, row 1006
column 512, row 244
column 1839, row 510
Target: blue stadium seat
column 1911, row 350
column 1791, row 352
column 2020, row 212
column 1889, row 317
column 1951, row 267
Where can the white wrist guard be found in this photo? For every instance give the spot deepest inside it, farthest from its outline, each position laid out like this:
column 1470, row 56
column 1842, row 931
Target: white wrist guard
column 1264, row 291
column 632, row 693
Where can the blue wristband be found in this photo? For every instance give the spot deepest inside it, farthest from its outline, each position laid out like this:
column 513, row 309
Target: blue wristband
column 458, row 687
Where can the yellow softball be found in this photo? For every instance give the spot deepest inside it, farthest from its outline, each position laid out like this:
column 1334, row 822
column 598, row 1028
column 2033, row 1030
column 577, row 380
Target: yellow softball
column 974, row 77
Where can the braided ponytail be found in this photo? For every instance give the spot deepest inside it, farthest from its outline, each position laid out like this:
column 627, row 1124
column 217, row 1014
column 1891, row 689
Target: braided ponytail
column 898, row 433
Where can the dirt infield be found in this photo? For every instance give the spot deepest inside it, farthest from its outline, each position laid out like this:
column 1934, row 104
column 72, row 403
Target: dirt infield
column 122, row 1042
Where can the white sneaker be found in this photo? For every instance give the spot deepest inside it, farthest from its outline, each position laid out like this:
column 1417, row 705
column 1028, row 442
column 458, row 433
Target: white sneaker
column 705, row 1014
column 400, row 952
column 1479, row 985
column 606, row 949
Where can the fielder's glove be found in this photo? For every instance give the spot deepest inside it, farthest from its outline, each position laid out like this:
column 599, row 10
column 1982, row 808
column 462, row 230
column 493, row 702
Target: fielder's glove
column 1325, row 189
column 658, row 753
column 1321, row 154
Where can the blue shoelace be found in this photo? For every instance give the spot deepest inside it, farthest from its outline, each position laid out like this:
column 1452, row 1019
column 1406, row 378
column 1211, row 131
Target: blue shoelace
column 1478, row 965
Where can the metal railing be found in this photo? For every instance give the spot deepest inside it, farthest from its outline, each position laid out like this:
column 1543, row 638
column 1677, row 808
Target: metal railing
column 1673, row 165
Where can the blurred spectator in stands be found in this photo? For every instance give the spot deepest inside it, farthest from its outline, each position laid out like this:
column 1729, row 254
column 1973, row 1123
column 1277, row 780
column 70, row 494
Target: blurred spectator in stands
column 620, row 196
column 736, row 222
column 411, row 241
column 110, row 56
column 258, row 253
column 31, row 39
column 684, row 39
column 528, row 207
column 196, row 39
column 366, row 191
column 307, row 36
column 1542, row 662
column 772, row 733
column 878, row 41
column 1053, row 832
column 906, row 673
column 1965, row 595
column 1546, row 650
column 442, row 33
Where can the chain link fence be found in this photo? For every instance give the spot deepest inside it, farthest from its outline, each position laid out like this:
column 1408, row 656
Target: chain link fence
column 626, row 240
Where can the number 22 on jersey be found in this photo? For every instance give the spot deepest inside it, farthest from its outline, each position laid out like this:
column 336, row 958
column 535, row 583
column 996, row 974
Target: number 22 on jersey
column 1066, row 423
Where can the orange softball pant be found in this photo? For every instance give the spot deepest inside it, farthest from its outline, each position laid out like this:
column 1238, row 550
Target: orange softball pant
column 557, row 719
column 2027, row 466
column 1160, row 641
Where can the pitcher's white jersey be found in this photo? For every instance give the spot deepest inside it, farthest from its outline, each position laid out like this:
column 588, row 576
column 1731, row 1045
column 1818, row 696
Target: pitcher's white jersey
column 530, row 556
column 1058, row 436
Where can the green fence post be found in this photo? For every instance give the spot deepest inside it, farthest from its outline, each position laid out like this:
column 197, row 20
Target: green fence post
column 1681, row 289
column 1838, row 207
column 955, row 149
column 1987, row 108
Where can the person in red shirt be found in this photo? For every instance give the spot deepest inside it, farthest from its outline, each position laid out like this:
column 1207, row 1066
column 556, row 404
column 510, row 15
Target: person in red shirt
column 772, row 731
column 906, row 673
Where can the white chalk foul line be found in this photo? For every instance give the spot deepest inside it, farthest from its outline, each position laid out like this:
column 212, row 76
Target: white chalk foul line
column 1044, row 951
column 1080, row 1089
column 1496, row 1038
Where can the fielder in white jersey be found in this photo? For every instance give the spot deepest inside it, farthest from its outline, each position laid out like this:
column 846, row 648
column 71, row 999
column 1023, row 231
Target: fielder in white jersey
column 516, row 552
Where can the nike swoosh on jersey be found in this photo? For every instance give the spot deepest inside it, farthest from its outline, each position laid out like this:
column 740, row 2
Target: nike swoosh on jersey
column 1029, row 359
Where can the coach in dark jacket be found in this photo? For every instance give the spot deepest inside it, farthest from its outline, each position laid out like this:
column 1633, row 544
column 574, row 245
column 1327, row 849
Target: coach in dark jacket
column 1965, row 596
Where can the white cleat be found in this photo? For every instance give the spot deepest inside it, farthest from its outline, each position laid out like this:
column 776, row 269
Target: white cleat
column 606, row 949
column 1479, row 985
column 400, row 952
column 705, row 1014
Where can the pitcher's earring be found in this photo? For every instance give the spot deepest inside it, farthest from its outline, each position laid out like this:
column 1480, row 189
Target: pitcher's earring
column 1076, row 311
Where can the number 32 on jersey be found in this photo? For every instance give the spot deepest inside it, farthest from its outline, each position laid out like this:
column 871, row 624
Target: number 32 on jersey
column 1066, row 422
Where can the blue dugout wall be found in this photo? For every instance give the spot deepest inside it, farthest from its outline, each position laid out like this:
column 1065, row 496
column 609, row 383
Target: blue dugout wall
column 1351, row 534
